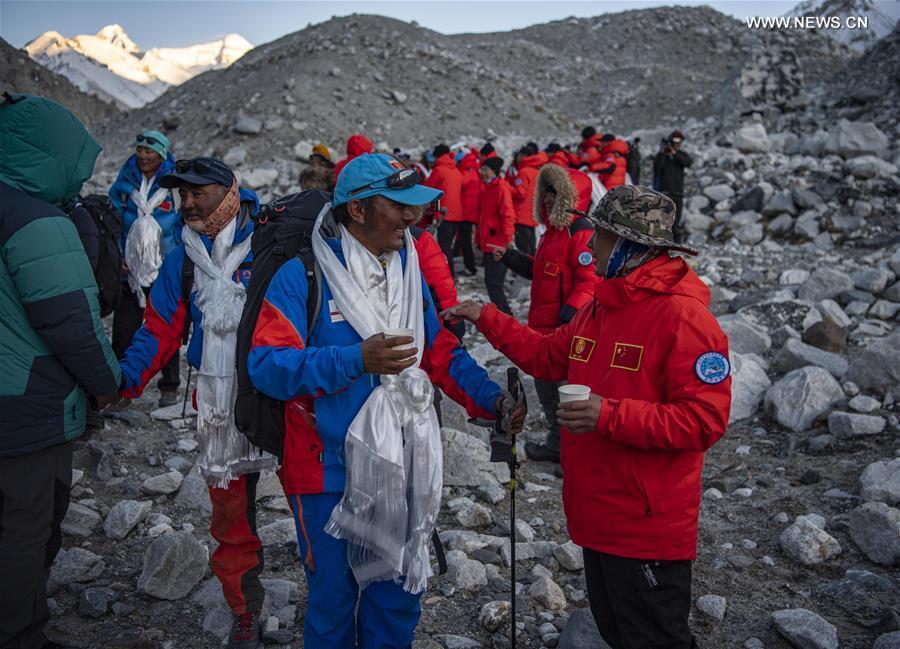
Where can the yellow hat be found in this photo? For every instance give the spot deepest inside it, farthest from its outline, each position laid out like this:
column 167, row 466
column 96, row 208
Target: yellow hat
column 322, row 150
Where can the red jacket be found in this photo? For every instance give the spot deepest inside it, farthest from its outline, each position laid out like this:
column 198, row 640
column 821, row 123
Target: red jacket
column 471, row 185
column 589, row 152
column 435, row 270
column 523, row 188
column 650, row 347
column 356, row 145
column 562, row 269
column 496, row 216
column 612, row 170
column 446, row 177
column 560, row 158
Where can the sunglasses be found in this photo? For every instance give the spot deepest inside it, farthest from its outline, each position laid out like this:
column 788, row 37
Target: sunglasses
column 201, row 166
column 403, row 179
column 141, row 139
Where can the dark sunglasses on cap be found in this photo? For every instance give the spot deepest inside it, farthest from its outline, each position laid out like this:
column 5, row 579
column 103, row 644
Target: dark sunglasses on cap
column 201, row 166
column 141, row 139
column 403, row 179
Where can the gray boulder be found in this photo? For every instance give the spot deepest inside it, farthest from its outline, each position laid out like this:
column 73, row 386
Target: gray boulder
column 248, row 125
column 494, row 616
column 875, row 529
column 806, row 542
column 877, row 366
column 847, row 424
column 124, row 515
column 805, row 629
column 872, row 280
column 869, row 166
column 164, row 484
column 173, row 564
column 745, row 337
column 880, row 481
column 76, row 565
column 796, row 354
column 849, row 139
column 720, row 192
column 803, row 396
column 548, row 594
column 713, row 606
column 80, row 520
column 752, row 139
column 888, row 641
column 467, row 461
column 825, row 283
column 581, row 632
column 194, row 492
column 749, row 384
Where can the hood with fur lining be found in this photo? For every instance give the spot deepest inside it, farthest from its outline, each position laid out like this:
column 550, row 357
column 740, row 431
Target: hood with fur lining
column 573, row 191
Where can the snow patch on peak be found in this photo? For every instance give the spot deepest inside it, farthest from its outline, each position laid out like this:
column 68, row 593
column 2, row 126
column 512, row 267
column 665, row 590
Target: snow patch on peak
column 116, row 35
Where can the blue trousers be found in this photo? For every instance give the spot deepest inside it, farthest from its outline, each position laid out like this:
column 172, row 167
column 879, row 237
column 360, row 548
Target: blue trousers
column 338, row 614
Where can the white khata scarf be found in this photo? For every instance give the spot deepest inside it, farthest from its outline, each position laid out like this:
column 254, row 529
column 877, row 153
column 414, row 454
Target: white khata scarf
column 143, row 252
column 393, row 446
column 224, row 452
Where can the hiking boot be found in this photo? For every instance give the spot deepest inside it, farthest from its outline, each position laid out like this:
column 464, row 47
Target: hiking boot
column 168, row 398
column 467, row 273
column 94, row 421
column 557, row 471
column 119, row 405
column 244, row 632
column 541, row 453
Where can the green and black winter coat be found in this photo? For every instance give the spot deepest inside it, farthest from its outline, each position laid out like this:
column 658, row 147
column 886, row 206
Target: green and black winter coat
column 52, row 344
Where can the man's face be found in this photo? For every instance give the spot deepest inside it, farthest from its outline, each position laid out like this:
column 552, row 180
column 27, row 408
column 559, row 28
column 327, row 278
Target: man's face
column 548, row 201
column 382, row 226
column 676, row 144
column 601, row 244
column 199, row 201
column 486, row 173
column 148, row 160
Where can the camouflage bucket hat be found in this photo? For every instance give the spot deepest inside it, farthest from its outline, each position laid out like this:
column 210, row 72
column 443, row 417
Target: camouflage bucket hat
column 639, row 214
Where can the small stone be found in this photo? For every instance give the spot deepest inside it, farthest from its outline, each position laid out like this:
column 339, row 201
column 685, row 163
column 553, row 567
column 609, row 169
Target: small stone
column 494, row 615
column 875, row 529
column 164, row 484
column 807, row 543
column 95, row 601
column 805, row 629
column 248, row 125
column 888, row 641
column 713, row 494
column 548, row 594
column 279, row 533
column 880, row 481
column 569, row 556
column 173, row 565
column 712, row 606
column 743, row 492
column 845, row 425
column 123, row 516
column 80, row 520
column 474, row 515
column 76, row 565
column 742, row 450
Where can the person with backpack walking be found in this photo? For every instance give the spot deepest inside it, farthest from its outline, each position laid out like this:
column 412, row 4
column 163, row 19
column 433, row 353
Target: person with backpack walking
column 651, row 364
column 349, row 380
column 150, row 226
column 561, row 273
column 54, row 350
column 202, row 282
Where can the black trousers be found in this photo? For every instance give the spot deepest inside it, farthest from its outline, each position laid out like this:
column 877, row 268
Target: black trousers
column 494, row 276
column 34, row 497
column 461, row 231
column 639, row 603
column 526, row 240
column 677, row 226
column 548, row 395
column 127, row 319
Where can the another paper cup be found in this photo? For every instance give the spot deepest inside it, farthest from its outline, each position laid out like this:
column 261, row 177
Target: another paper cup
column 573, row 392
column 400, row 332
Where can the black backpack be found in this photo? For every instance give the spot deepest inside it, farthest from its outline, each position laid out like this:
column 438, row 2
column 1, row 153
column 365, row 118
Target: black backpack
column 108, row 272
column 283, row 231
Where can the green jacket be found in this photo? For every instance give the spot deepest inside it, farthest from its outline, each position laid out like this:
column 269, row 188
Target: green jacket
column 52, row 343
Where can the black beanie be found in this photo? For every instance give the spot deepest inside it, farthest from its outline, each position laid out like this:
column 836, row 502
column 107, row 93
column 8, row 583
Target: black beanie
column 553, row 147
column 440, row 149
column 588, row 131
column 495, row 163
column 487, row 148
column 607, row 137
column 529, row 149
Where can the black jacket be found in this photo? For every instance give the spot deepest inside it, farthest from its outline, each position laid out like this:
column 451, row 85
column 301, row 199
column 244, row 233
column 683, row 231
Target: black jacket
column 668, row 171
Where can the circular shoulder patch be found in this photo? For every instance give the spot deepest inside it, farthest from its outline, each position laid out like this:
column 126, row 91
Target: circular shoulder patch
column 518, row 181
column 712, row 367
column 585, row 259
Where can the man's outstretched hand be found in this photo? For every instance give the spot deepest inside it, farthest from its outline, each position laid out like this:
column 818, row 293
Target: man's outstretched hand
column 466, row 310
column 381, row 357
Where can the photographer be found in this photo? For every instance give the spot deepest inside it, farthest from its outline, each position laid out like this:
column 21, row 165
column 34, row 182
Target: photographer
column 668, row 174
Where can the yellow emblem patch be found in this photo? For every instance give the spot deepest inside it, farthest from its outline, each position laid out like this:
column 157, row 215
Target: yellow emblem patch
column 581, row 349
column 627, row 357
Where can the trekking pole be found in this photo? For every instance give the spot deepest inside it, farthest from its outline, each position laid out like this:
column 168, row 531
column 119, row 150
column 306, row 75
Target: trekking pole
column 186, row 391
column 512, row 381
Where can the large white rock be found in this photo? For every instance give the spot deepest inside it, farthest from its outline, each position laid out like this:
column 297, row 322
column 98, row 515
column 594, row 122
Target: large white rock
column 548, row 594
column 720, row 192
column 880, row 481
column 257, row 178
column 849, row 139
column 749, row 384
column 752, row 139
column 173, row 564
column 806, row 542
column 805, row 629
column 875, row 528
column 803, row 396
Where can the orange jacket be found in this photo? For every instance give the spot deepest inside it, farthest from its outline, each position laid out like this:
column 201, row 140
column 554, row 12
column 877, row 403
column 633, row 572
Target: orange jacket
column 560, row 158
column 471, row 185
column 446, row 177
column 496, row 216
column 523, row 188
column 589, row 152
column 612, row 170
column 356, row 145
column 649, row 346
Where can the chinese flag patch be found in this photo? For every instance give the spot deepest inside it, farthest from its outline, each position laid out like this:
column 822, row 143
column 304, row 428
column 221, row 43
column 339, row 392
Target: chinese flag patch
column 581, row 349
column 627, row 357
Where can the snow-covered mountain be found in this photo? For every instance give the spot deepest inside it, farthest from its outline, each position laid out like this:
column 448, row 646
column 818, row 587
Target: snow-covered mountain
column 882, row 15
column 111, row 66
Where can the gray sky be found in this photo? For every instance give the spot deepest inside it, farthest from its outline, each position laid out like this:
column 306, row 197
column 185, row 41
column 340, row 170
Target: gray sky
column 167, row 23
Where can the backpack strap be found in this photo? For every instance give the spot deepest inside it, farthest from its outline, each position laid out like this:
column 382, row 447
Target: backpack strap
column 314, row 287
column 187, row 285
column 439, row 553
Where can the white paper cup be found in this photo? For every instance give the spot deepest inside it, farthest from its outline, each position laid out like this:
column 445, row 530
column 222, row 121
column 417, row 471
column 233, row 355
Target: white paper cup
column 400, row 332
column 573, row 392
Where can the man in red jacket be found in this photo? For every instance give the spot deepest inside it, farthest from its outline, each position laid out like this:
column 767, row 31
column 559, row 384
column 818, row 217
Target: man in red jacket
column 357, row 144
column 589, row 157
column 613, row 167
column 446, row 178
column 529, row 163
column 496, row 228
column 561, row 273
column 656, row 363
column 471, row 188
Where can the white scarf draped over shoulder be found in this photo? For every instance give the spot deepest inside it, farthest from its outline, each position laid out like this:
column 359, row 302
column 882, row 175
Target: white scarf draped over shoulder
column 143, row 245
column 393, row 446
column 224, row 452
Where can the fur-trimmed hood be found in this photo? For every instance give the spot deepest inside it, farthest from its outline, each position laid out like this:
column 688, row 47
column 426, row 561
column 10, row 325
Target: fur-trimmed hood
column 573, row 191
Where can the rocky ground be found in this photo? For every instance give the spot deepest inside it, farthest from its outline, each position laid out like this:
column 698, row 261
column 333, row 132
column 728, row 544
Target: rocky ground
column 796, row 212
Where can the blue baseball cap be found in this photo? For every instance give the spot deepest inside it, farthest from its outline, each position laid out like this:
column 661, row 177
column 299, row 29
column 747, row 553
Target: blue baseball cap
column 378, row 174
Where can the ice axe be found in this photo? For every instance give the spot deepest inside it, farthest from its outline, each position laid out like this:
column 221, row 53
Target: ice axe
column 503, row 449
